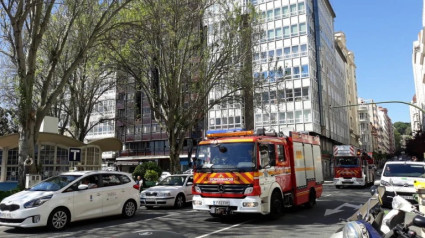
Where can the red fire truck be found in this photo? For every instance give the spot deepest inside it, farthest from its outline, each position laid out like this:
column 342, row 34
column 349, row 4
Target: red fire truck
column 243, row 172
column 351, row 167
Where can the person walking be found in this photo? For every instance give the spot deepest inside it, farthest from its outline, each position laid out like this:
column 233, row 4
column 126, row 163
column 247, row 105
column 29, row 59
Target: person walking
column 139, row 181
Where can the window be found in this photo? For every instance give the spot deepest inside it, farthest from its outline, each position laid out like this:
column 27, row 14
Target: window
column 110, row 180
column 298, row 116
column 290, row 117
column 307, row 115
column 256, row 56
column 280, row 153
column 286, row 32
column 303, row 29
column 301, row 8
column 276, row 13
column 271, row 55
column 266, row 118
column 293, row 9
column 265, row 97
column 297, row 94
column 288, row 73
column 278, row 54
column 218, row 121
column 258, row 118
column 278, row 32
column 303, row 49
column 305, row 95
column 289, row 95
column 269, row 15
column 285, row 11
column 270, row 34
column 282, row 118
column 304, row 70
column 296, row 70
column 287, row 52
column 295, row 52
column 264, row 56
column 294, row 30
column 273, row 118
column 272, row 76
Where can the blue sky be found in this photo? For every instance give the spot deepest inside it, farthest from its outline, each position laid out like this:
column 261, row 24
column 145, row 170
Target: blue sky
column 381, row 35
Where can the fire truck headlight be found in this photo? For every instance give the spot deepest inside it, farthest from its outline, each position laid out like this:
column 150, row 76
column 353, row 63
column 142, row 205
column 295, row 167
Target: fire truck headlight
column 250, row 204
column 197, row 189
column 197, row 202
column 249, row 190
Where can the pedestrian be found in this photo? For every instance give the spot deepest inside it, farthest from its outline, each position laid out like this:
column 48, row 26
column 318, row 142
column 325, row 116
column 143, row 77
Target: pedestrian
column 139, row 181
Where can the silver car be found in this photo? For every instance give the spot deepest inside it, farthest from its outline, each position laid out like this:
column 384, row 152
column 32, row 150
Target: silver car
column 174, row 190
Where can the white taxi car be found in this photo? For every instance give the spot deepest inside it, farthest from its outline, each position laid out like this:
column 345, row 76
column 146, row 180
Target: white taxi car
column 174, row 190
column 71, row 196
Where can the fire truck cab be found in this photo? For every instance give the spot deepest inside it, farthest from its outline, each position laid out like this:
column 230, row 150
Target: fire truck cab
column 243, row 172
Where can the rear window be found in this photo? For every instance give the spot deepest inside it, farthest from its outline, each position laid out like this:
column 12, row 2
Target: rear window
column 404, row 170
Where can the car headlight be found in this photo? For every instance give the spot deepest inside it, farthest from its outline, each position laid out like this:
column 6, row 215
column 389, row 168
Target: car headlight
column 142, row 194
column 197, row 189
column 354, row 229
column 38, row 202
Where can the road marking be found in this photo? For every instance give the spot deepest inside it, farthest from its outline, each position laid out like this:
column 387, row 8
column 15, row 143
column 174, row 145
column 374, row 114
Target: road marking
column 227, row 228
column 339, row 208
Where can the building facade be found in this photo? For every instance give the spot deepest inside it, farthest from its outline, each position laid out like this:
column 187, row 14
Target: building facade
column 366, row 127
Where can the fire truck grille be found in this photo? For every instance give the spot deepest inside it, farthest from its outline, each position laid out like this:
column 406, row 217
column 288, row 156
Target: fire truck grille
column 223, row 188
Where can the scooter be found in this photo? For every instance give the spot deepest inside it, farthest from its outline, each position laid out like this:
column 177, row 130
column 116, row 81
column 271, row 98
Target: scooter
column 370, row 222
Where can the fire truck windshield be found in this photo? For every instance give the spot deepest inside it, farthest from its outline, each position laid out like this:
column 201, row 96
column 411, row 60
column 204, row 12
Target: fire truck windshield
column 347, row 161
column 226, row 157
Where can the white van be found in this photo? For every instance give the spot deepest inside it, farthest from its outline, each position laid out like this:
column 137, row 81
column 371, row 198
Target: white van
column 71, row 196
column 398, row 177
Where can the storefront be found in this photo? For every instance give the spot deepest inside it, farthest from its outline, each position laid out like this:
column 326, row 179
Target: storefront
column 52, row 154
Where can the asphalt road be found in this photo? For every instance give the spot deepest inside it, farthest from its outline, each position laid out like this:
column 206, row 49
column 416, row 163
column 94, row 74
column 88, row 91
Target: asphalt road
column 320, row 221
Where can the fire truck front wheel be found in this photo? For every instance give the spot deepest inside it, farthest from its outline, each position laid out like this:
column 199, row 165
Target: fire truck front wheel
column 276, row 205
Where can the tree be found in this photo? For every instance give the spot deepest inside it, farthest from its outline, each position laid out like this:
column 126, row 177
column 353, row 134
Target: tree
column 415, row 146
column 403, row 128
column 83, row 97
column 181, row 52
column 39, row 37
column 7, row 124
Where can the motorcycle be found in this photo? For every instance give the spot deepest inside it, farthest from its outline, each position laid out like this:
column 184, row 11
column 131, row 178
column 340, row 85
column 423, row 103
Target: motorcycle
column 370, row 221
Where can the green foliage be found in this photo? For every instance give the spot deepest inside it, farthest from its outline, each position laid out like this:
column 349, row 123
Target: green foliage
column 7, row 124
column 4, row 194
column 142, row 169
column 403, row 128
column 151, row 175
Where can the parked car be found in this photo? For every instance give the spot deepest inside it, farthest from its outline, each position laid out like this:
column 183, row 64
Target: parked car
column 174, row 190
column 398, row 176
column 164, row 175
column 69, row 197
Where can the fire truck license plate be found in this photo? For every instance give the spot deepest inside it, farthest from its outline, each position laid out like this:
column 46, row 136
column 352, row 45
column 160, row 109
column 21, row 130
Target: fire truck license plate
column 221, row 203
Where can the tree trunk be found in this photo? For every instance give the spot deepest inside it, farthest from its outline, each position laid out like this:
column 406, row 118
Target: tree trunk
column 26, row 149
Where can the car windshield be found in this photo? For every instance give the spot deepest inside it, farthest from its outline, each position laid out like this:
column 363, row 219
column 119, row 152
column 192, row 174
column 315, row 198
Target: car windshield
column 173, row 181
column 226, row 156
column 347, row 161
column 404, row 170
column 54, row 183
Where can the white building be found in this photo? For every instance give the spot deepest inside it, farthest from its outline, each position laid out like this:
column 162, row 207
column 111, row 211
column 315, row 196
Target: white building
column 418, row 54
column 302, row 73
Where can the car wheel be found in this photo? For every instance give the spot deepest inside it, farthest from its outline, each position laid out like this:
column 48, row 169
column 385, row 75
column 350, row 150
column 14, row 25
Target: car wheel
column 129, row 209
column 180, row 201
column 276, row 206
column 58, row 219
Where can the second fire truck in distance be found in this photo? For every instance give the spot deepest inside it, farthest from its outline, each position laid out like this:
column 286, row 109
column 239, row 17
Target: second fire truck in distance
column 351, row 167
column 243, row 172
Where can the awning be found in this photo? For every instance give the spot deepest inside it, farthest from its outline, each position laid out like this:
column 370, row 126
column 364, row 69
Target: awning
column 127, row 163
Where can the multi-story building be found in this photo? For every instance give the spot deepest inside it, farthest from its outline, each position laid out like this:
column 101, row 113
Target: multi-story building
column 366, row 127
column 386, row 138
column 417, row 118
column 350, row 88
column 301, row 71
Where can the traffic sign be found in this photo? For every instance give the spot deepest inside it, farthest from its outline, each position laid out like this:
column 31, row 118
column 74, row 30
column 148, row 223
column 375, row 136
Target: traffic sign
column 74, row 154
